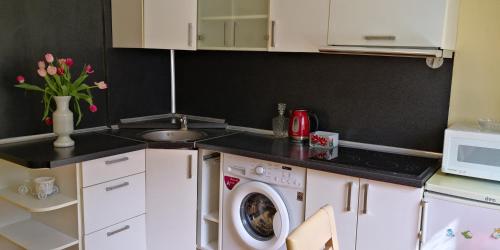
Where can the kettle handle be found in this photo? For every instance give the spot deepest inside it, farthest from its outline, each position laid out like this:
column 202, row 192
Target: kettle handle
column 316, row 120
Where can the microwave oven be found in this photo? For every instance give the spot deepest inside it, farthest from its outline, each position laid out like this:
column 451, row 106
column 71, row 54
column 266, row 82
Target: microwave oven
column 470, row 151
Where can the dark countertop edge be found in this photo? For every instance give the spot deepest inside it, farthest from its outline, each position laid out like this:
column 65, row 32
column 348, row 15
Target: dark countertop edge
column 97, row 155
column 33, row 164
column 418, row 182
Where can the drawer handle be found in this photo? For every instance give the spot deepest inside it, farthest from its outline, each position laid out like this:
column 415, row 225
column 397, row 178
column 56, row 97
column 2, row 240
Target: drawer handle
column 110, row 162
column 125, row 228
column 117, row 186
column 380, row 38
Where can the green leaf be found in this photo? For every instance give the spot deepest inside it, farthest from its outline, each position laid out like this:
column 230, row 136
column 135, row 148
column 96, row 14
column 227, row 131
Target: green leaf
column 29, row 87
column 52, row 85
column 77, row 110
column 80, row 80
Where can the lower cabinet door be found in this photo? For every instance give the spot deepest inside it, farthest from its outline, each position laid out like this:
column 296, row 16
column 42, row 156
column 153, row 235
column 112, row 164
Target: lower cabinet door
column 171, row 199
column 341, row 192
column 389, row 216
column 127, row 235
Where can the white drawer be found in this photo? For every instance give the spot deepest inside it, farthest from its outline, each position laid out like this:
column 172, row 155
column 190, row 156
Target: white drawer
column 111, row 202
column 113, row 167
column 127, row 235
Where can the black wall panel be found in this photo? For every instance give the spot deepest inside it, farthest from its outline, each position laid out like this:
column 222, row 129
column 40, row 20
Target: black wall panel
column 381, row 100
column 29, row 29
column 139, row 78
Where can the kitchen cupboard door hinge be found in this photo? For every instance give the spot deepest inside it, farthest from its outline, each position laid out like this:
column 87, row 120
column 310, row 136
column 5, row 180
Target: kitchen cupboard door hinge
column 200, row 37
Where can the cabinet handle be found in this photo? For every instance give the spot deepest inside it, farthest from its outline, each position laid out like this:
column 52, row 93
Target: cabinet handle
column 225, row 24
column 110, row 162
column 349, row 192
column 190, row 166
column 234, row 33
column 365, row 205
column 117, row 186
column 424, row 222
column 190, row 34
column 273, row 28
column 380, row 38
column 125, row 228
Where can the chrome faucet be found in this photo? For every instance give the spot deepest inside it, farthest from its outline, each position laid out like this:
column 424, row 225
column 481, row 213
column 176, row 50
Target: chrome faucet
column 184, row 123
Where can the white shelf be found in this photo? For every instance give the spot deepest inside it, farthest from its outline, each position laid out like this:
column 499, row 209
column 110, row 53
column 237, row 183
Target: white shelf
column 32, row 204
column 212, row 216
column 31, row 234
column 242, row 17
column 10, row 214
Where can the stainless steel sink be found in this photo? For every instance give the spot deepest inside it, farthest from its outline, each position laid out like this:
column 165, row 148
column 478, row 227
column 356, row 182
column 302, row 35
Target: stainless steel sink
column 173, row 135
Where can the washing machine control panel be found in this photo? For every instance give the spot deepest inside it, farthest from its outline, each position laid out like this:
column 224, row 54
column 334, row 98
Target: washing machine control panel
column 265, row 171
column 276, row 174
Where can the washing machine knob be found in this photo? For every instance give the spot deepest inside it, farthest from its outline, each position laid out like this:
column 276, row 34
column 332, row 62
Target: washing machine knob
column 260, row 170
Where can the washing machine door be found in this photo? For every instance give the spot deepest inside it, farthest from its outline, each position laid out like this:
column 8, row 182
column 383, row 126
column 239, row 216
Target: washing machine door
column 259, row 216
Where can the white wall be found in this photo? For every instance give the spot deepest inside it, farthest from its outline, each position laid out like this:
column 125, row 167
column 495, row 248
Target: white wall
column 475, row 89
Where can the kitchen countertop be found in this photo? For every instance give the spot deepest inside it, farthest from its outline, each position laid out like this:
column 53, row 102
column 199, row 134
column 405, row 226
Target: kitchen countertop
column 283, row 151
column 88, row 146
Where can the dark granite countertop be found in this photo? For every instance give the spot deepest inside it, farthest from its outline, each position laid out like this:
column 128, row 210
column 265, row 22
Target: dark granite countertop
column 283, row 151
column 88, row 146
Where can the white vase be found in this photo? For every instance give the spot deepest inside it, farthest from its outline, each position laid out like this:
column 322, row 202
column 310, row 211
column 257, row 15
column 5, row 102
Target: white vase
column 63, row 122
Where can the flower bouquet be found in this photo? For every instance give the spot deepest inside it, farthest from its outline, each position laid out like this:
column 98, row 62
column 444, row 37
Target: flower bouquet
column 59, row 89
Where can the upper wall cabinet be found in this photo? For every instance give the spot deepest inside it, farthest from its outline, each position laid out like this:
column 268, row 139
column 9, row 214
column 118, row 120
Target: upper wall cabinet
column 170, row 24
column 233, row 24
column 298, row 25
column 128, row 25
column 155, row 24
column 394, row 23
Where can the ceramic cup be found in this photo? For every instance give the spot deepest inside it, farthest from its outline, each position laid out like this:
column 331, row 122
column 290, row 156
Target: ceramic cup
column 44, row 186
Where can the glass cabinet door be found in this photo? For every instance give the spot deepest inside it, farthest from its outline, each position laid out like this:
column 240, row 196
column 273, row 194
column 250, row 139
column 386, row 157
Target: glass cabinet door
column 233, row 24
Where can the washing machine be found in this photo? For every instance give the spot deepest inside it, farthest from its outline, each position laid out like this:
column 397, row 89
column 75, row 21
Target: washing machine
column 262, row 203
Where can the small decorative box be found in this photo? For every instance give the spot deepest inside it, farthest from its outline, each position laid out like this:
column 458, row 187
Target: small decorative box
column 325, row 153
column 323, row 139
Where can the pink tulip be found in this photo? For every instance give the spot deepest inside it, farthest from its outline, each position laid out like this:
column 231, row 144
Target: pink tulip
column 60, row 71
column 101, row 85
column 69, row 62
column 93, row 108
column 51, row 70
column 41, row 65
column 49, row 58
column 48, row 121
column 89, row 69
column 61, row 61
column 20, row 79
column 42, row 72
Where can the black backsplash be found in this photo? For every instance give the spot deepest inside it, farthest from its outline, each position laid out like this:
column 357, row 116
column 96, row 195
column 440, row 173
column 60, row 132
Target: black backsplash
column 382, row 100
column 30, row 29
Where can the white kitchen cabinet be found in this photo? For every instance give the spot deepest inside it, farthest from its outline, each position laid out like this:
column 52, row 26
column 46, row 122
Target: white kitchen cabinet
column 298, row 25
column 233, row 25
column 128, row 25
column 170, row 24
column 171, row 198
column 341, row 192
column 129, row 234
column 394, row 23
column 382, row 216
column 154, row 24
column 389, row 216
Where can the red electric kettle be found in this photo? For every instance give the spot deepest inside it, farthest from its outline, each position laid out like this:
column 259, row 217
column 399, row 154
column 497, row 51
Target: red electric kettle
column 299, row 127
